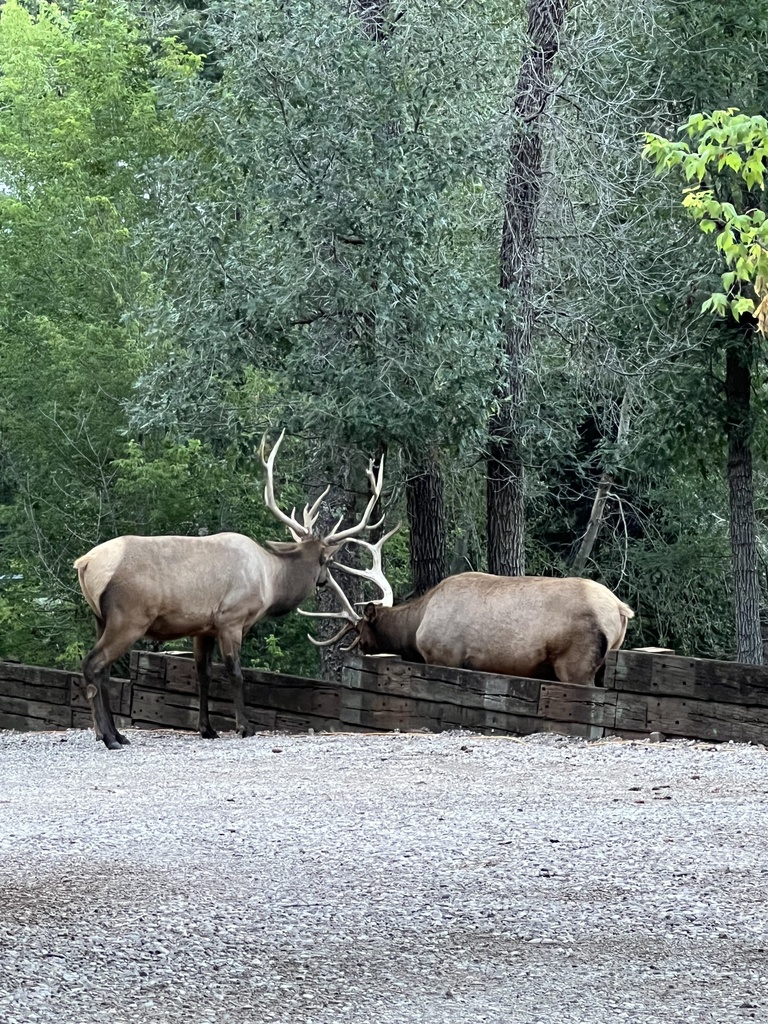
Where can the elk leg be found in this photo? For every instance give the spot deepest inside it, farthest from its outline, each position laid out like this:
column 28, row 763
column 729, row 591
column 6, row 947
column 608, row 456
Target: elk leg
column 117, row 634
column 230, row 650
column 582, row 659
column 96, row 666
column 203, row 656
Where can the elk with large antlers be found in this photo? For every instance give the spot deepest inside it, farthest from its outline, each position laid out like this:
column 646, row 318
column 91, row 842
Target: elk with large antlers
column 536, row 626
column 208, row 588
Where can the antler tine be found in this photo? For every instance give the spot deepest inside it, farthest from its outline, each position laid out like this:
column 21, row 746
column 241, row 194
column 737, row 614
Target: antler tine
column 351, row 646
column 297, row 530
column 322, row 615
column 352, row 615
column 347, row 612
column 377, row 482
column 335, row 638
column 376, row 573
column 311, row 514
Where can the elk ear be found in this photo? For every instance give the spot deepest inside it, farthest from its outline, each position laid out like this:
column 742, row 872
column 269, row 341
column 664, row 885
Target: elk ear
column 330, row 551
column 282, row 547
column 369, row 612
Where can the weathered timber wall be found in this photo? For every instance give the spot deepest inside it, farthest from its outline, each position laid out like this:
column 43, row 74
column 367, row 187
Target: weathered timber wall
column 162, row 692
column 643, row 693
column 689, row 697
column 34, row 698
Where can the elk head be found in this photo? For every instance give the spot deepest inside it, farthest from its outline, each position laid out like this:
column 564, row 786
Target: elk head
column 354, row 621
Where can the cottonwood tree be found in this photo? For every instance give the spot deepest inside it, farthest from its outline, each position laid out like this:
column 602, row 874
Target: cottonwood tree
column 520, row 227
column 340, row 235
column 618, row 269
column 79, row 118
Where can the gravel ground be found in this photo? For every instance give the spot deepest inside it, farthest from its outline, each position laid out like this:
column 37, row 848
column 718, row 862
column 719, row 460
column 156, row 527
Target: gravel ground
column 398, row 879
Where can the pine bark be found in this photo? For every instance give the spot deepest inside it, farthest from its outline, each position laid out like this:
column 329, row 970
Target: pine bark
column 741, row 492
column 505, row 475
column 426, row 521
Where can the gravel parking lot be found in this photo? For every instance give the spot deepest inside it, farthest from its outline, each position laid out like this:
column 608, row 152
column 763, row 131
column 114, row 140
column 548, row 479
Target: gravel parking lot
column 349, row 879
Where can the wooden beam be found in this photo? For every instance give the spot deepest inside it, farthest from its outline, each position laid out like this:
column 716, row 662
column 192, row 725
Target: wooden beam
column 39, row 713
column 505, row 694
column 57, row 694
column 708, row 720
column 294, row 694
column 698, row 678
column 568, row 702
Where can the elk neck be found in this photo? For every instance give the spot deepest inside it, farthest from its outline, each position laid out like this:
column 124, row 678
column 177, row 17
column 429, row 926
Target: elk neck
column 396, row 628
column 294, row 575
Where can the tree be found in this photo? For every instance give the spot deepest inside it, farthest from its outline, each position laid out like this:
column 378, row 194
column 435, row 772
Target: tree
column 358, row 281
column 505, row 495
column 79, row 120
column 728, row 153
column 423, row 478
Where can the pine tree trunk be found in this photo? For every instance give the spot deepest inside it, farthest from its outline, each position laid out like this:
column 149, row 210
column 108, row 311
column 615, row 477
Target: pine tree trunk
column 505, row 504
column 426, row 520
column 506, row 476
column 741, row 491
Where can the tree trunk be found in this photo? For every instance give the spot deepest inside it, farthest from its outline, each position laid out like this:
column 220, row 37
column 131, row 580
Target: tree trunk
column 426, row 520
column 743, row 526
column 601, row 496
column 341, row 500
column 505, row 486
column 372, row 13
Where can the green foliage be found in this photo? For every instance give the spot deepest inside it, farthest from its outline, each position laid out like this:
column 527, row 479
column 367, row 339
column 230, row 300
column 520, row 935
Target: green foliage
column 722, row 144
column 79, row 119
column 40, row 625
column 711, row 55
column 274, row 218
column 360, row 269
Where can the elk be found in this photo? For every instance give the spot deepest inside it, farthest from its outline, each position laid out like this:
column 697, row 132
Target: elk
column 207, row 588
column 536, row 626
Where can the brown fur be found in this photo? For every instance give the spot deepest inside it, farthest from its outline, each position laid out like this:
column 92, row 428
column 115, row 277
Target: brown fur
column 513, row 625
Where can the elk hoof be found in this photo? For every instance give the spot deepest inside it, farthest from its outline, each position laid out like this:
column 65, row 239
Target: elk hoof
column 246, row 730
column 208, row 733
column 123, row 739
column 112, row 743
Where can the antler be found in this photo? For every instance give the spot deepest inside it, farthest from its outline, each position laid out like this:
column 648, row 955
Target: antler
column 376, row 482
column 376, row 573
column 298, row 530
column 347, row 612
column 310, row 515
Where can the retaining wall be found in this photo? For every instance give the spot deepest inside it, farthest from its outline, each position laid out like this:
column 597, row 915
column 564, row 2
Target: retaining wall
column 643, row 692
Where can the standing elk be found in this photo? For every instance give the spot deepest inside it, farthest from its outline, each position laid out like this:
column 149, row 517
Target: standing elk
column 513, row 625
column 208, row 588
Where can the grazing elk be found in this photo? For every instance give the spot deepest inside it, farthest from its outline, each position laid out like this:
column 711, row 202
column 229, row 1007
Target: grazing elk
column 208, row 588
column 535, row 626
